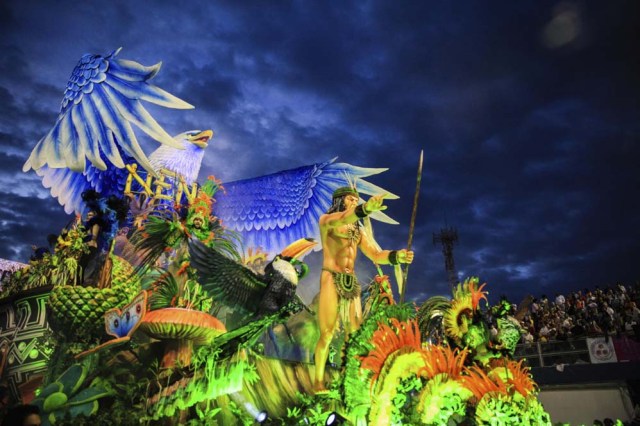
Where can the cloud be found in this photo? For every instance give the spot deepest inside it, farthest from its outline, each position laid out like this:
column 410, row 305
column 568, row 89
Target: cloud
column 530, row 151
column 22, row 225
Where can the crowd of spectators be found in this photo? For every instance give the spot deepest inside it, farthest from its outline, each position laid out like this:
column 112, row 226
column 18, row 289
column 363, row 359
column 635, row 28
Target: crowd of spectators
column 611, row 311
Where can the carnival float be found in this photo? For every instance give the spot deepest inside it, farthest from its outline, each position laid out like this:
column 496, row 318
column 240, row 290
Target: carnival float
column 156, row 302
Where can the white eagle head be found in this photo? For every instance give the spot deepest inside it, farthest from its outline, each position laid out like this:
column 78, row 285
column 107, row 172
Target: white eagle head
column 185, row 161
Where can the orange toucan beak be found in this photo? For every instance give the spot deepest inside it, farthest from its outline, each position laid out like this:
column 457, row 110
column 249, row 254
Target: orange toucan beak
column 298, row 249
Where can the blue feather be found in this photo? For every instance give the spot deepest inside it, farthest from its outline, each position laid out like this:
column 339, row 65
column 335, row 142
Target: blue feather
column 92, row 140
column 132, row 71
column 272, row 211
column 102, row 134
column 93, row 130
column 67, row 185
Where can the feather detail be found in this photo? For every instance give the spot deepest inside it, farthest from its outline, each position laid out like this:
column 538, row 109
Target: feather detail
column 147, row 92
column 93, row 132
column 289, row 202
column 224, row 279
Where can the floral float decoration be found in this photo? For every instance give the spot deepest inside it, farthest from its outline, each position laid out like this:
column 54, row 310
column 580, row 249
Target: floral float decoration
column 434, row 366
column 455, row 376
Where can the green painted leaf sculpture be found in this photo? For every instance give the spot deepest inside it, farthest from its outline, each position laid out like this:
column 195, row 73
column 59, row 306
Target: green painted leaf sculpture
column 74, row 308
column 72, row 378
column 49, row 389
column 55, row 401
column 67, row 397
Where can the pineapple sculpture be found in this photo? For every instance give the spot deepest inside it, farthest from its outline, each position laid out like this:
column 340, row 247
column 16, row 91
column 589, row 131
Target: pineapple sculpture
column 77, row 306
column 76, row 310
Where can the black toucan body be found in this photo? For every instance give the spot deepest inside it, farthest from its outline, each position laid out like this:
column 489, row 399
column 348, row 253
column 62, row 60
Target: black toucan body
column 265, row 299
column 238, row 287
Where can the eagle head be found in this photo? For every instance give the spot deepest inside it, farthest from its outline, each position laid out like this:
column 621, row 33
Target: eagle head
column 187, row 161
column 196, row 137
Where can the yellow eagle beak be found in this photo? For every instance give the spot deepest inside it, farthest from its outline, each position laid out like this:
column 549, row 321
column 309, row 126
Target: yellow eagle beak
column 201, row 139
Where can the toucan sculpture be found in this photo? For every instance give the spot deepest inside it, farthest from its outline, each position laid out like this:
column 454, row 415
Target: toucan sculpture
column 262, row 299
column 238, row 287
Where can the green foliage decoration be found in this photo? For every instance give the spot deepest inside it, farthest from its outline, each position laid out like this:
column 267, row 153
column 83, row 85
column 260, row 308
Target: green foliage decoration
column 165, row 230
column 497, row 408
column 206, row 416
column 68, row 396
column 126, row 376
column 404, row 402
column 58, row 268
column 167, row 292
column 442, row 399
column 313, row 409
column 210, row 379
column 355, row 384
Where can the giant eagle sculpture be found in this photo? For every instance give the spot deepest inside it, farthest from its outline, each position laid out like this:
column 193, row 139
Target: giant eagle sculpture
column 92, row 140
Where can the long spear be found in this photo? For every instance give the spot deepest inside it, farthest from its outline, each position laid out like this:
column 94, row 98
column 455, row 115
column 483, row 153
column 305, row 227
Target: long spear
column 412, row 224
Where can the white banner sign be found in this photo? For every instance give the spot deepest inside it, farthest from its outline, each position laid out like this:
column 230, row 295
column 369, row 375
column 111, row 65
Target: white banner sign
column 601, row 350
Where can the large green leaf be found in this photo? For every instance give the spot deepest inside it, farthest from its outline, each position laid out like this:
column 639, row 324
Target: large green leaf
column 87, row 409
column 49, row 389
column 72, row 378
column 88, row 395
column 55, row 401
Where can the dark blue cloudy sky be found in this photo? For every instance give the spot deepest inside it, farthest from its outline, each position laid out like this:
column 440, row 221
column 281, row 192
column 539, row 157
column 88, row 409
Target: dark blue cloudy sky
column 528, row 113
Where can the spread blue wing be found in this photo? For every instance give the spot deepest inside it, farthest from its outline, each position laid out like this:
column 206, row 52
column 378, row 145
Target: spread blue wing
column 101, row 101
column 272, row 211
column 93, row 131
column 67, row 186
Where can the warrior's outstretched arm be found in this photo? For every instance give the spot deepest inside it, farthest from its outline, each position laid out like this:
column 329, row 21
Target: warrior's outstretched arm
column 383, row 257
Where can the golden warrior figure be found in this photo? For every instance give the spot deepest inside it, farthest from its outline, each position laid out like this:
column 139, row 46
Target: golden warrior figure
column 341, row 235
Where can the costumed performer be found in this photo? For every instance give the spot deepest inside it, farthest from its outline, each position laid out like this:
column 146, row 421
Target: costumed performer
column 341, row 234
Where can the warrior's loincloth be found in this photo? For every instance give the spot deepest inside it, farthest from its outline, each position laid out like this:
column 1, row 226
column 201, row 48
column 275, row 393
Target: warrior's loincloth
column 348, row 289
column 347, row 285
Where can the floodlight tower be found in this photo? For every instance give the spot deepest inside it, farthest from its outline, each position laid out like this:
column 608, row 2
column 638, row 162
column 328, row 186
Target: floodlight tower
column 447, row 238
